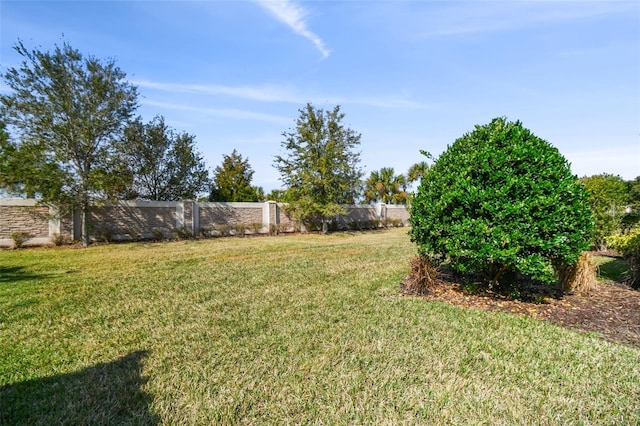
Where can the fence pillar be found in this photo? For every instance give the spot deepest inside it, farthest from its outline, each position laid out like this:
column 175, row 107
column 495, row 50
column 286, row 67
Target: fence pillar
column 195, row 209
column 54, row 221
column 381, row 211
column 76, row 224
column 179, row 214
column 270, row 214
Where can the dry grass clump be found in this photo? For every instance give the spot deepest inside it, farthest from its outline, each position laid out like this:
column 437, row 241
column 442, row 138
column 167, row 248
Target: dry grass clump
column 579, row 277
column 424, row 276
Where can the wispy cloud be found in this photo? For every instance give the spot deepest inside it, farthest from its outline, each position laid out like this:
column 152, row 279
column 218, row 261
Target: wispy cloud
column 294, row 16
column 221, row 112
column 498, row 17
column 417, row 20
column 282, row 94
column 261, row 93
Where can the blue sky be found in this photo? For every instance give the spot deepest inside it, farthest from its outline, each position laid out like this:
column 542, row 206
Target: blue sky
column 409, row 75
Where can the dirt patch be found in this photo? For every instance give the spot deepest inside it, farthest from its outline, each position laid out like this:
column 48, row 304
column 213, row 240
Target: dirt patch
column 613, row 310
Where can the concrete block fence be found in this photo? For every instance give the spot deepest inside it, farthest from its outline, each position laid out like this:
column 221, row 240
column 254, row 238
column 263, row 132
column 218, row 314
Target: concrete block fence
column 132, row 220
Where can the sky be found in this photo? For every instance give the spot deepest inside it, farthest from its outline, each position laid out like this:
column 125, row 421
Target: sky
column 408, row 75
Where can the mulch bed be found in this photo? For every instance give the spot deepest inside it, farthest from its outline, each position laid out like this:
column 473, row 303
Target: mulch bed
column 613, row 310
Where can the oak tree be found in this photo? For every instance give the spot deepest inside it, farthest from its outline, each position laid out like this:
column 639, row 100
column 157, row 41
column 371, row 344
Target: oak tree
column 66, row 111
column 164, row 165
column 320, row 168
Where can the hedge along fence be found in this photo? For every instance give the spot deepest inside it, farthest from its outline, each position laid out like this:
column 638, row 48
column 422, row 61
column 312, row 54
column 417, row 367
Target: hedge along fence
column 136, row 220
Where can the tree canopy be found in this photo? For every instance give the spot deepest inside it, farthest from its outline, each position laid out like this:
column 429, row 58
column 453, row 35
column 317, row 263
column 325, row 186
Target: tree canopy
column 67, row 110
column 232, row 180
column 320, row 168
column 609, row 196
column 501, row 201
column 163, row 164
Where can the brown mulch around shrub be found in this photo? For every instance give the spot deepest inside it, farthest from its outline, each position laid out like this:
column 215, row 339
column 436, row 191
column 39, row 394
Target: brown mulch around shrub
column 613, row 310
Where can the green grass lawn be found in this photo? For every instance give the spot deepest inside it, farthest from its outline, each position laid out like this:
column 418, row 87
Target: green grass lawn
column 611, row 268
column 303, row 329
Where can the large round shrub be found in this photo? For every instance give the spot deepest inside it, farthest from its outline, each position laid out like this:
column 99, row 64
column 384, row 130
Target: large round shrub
column 501, row 201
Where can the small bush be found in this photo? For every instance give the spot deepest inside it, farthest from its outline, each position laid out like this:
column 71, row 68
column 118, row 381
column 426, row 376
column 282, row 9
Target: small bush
column 105, row 236
column 60, row 240
column 134, row 233
column 157, row 234
column 501, row 202
column 19, row 238
column 182, row 233
column 255, row 227
column 223, row 229
column 240, row 229
column 424, row 276
column 397, row 223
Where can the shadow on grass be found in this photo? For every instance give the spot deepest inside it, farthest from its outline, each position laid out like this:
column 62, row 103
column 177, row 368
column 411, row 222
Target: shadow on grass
column 13, row 274
column 108, row 393
column 613, row 269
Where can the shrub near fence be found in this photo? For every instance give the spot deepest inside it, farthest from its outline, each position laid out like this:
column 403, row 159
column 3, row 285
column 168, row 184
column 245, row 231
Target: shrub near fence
column 136, row 220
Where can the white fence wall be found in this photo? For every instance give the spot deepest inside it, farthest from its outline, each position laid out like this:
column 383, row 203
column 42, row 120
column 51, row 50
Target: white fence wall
column 149, row 219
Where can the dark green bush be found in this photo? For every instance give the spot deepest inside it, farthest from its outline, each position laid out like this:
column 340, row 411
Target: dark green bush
column 501, row 202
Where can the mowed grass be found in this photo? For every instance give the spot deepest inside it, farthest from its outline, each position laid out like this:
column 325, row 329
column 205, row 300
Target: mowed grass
column 304, row 329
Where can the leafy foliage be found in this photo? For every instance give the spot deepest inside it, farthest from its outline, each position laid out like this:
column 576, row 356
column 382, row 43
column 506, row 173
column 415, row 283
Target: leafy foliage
column 67, row 110
column 417, row 171
column 501, row 201
column 163, row 165
column 279, row 195
column 634, row 192
column 320, row 168
column 608, row 196
column 385, row 186
column 232, row 181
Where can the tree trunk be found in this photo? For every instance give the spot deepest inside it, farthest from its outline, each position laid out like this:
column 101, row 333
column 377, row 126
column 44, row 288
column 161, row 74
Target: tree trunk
column 325, row 226
column 84, row 238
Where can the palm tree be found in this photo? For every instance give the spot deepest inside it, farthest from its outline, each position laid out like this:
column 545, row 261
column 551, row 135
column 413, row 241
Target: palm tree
column 385, row 186
column 417, row 171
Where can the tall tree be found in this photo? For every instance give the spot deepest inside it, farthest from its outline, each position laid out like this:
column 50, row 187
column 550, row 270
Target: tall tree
column 320, row 168
column 385, row 186
column 609, row 197
column 68, row 110
column 232, row 180
column 164, row 165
